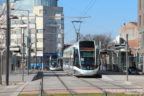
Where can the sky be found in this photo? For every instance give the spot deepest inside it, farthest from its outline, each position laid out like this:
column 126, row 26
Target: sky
column 107, row 16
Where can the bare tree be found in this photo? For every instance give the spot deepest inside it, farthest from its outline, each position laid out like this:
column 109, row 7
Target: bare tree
column 2, row 30
column 2, row 35
column 105, row 39
column 88, row 37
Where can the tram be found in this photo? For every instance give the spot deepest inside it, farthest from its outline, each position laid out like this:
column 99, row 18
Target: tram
column 80, row 59
column 55, row 63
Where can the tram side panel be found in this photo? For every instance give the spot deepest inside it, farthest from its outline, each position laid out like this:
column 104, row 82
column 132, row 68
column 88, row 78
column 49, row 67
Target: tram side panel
column 68, row 61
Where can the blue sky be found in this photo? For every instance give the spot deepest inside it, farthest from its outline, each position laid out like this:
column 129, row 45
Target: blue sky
column 107, row 16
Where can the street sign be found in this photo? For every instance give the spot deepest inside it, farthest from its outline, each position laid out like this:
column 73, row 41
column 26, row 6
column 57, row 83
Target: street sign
column 15, row 49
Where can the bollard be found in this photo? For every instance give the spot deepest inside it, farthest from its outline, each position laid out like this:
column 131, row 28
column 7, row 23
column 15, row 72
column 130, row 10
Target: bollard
column 138, row 94
column 40, row 89
column 42, row 82
column 105, row 94
column 112, row 94
column 41, row 85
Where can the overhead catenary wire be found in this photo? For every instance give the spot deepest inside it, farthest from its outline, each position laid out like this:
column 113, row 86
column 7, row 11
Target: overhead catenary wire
column 89, row 6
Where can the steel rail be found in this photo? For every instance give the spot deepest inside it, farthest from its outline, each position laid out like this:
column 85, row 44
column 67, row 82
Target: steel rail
column 67, row 88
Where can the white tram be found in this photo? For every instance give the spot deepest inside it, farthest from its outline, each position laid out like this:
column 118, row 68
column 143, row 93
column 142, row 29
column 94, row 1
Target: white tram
column 80, row 59
column 55, row 63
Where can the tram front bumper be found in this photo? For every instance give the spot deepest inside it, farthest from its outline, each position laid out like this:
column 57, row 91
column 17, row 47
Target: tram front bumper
column 86, row 72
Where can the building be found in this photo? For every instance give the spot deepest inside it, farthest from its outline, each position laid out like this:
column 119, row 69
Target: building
column 1, row 2
column 141, row 33
column 46, row 27
column 133, row 36
column 141, row 24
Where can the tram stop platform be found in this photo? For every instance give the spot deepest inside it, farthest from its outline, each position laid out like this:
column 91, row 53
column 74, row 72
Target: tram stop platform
column 122, row 77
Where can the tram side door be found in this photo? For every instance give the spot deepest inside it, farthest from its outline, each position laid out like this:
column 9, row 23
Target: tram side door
column 75, row 59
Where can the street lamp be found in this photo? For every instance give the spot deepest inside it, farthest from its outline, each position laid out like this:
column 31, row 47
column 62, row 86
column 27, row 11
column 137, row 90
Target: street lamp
column 7, row 43
column 127, row 59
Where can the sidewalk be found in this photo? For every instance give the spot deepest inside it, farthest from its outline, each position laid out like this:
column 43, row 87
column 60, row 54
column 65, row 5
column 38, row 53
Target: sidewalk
column 16, row 84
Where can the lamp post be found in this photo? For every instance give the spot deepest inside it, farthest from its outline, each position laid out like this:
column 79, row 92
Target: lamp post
column 35, row 41
column 22, row 31
column 127, row 59
column 7, row 43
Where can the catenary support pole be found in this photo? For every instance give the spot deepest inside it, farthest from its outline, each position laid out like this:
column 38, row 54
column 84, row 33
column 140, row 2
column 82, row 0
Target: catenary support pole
column 29, row 45
column 36, row 41
column 127, row 58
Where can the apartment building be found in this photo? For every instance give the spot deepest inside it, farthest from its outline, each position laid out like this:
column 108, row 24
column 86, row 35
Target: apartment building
column 46, row 27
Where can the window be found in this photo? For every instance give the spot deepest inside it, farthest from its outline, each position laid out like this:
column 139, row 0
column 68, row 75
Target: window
column 25, row 22
column 32, row 31
column 40, row 11
column 39, row 49
column 32, row 21
column 45, row 2
column 139, row 20
column 139, row 4
column 143, row 19
column 32, row 40
column 40, row 30
column 44, row 11
column 40, row 40
column 51, row 21
column 143, row 40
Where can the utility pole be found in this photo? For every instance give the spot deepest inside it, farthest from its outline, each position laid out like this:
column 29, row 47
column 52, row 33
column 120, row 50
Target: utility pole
column 35, row 42
column 77, row 30
column 127, row 58
column 22, row 51
column 29, row 45
column 7, row 43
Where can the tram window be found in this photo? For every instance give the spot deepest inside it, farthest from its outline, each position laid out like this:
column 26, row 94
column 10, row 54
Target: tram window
column 76, row 57
column 87, row 59
column 87, row 44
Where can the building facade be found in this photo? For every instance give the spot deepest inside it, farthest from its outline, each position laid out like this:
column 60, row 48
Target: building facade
column 141, row 24
column 133, row 36
column 46, row 27
column 141, row 33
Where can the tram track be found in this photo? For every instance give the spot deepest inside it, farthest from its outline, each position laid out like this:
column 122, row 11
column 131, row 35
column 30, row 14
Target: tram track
column 104, row 90
column 85, row 81
column 67, row 88
column 89, row 81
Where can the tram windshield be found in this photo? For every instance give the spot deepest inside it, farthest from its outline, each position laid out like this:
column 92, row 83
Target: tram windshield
column 54, row 63
column 87, row 55
column 87, row 58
